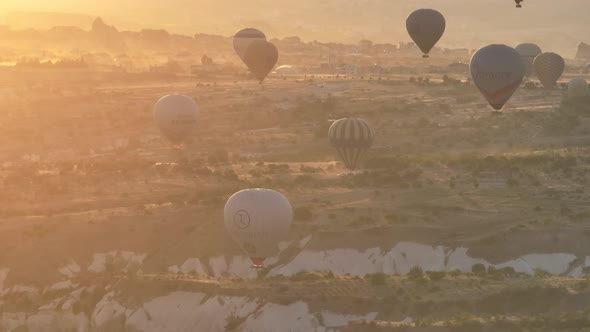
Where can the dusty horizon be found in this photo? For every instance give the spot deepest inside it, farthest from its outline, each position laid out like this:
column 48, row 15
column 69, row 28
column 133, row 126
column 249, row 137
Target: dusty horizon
column 470, row 24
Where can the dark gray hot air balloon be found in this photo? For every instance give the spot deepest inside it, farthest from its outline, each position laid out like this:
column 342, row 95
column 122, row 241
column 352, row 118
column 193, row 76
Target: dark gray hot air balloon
column 425, row 27
column 528, row 52
column 261, row 57
column 176, row 116
column 549, row 66
column 518, row 5
column 497, row 72
column 244, row 38
column 351, row 137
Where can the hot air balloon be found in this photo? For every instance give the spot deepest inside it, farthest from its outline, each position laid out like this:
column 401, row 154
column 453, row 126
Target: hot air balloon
column 518, row 5
column 425, row 27
column 258, row 219
column 176, row 116
column 244, row 38
column 577, row 88
column 549, row 66
column 351, row 137
column 261, row 57
column 528, row 52
column 497, row 72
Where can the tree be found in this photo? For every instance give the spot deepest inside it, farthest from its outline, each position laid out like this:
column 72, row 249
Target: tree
column 206, row 60
column 478, row 269
column 416, row 273
column 302, row 213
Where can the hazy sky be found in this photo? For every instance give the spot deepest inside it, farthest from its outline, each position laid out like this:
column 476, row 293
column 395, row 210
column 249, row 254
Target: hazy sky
column 555, row 25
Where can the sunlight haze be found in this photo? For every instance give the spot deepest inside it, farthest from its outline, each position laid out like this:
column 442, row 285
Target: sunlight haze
column 294, row 165
column 378, row 20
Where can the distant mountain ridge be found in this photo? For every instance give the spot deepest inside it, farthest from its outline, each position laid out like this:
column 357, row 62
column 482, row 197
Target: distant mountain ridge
column 43, row 20
column 556, row 26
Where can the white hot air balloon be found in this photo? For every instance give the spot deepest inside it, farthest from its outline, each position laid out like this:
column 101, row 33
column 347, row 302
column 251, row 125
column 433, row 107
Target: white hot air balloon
column 577, row 88
column 258, row 219
column 176, row 116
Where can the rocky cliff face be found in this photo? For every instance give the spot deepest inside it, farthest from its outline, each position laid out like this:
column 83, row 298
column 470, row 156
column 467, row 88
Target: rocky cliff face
column 107, row 35
column 583, row 52
column 112, row 293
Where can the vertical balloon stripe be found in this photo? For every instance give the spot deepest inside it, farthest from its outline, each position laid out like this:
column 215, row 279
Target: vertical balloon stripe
column 355, row 131
column 342, row 154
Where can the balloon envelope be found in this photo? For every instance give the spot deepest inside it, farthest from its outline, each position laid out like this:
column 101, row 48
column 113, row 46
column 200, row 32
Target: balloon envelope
column 425, row 27
column 497, row 72
column 549, row 66
column 244, row 38
column 528, row 52
column 257, row 219
column 351, row 137
column 261, row 57
column 577, row 88
column 176, row 116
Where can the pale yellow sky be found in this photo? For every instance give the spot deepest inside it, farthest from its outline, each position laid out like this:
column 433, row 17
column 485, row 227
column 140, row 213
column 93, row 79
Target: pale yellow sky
column 558, row 25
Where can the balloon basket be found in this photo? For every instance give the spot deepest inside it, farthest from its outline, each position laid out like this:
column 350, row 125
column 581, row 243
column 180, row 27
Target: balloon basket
column 257, row 263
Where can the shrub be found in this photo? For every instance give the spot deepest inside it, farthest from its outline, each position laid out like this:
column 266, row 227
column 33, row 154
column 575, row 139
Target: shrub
column 219, row 156
column 436, row 275
column 233, row 322
column 478, row 269
column 377, row 279
column 416, row 273
column 541, row 274
column 305, row 276
column 302, row 213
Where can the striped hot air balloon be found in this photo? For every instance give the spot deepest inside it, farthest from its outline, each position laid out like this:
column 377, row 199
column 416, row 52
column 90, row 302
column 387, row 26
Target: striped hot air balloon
column 549, row 66
column 351, row 137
